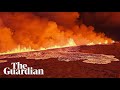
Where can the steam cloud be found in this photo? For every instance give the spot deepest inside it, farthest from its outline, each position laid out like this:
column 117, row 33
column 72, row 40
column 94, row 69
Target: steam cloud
column 43, row 29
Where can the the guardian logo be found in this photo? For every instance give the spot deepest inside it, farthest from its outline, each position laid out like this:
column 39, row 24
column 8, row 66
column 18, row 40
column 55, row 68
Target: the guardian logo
column 22, row 69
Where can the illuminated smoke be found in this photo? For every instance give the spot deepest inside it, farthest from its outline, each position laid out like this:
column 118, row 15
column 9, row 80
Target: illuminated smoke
column 44, row 29
column 66, row 19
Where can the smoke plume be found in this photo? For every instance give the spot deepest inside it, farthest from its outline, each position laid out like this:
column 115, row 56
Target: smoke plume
column 44, row 29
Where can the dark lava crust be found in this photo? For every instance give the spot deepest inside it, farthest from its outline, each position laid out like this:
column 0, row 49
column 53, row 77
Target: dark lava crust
column 74, row 69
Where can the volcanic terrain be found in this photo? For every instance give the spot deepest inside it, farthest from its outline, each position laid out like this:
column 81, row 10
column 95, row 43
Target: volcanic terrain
column 95, row 61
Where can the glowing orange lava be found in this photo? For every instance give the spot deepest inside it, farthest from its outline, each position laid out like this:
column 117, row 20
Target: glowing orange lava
column 69, row 44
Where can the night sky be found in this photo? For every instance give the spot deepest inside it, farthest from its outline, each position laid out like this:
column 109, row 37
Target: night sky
column 107, row 22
